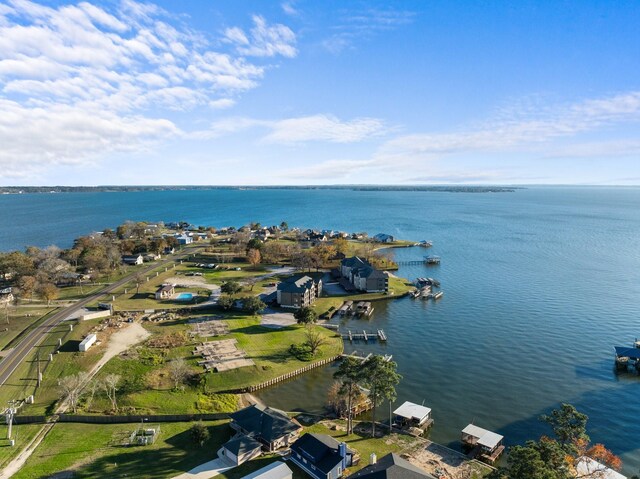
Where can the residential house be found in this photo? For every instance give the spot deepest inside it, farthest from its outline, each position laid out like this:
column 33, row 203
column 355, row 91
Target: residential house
column 6, row 295
column 275, row 470
column 184, row 239
column 152, row 257
column 383, row 238
column 321, row 456
column 133, row 259
column 270, row 427
column 298, row 291
column 391, row 466
column 165, row 291
column 363, row 276
column 169, row 250
column 241, row 449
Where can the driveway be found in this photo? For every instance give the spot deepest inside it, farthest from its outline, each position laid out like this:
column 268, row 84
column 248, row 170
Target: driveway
column 208, row 469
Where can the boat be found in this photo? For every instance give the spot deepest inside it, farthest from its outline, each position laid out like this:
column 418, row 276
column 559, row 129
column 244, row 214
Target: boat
column 438, row 295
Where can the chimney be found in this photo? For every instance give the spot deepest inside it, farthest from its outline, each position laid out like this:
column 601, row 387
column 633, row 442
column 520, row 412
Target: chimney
column 342, row 449
column 373, row 458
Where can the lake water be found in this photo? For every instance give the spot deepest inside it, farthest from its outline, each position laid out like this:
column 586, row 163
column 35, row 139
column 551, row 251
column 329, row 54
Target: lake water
column 539, row 284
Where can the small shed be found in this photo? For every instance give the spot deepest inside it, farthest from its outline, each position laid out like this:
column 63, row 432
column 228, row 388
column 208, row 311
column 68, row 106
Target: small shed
column 165, row 291
column 241, row 449
column 413, row 415
column 87, row 342
column 275, row 470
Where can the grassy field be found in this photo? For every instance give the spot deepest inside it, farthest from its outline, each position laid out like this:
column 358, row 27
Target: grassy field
column 22, row 434
column 21, row 320
column 146, row 387
column 22, row 382
column 97, row 452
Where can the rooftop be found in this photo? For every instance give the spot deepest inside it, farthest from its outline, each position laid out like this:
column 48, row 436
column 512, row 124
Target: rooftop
column 410, row 410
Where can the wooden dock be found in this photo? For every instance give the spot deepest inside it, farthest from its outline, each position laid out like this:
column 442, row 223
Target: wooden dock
column 379, row 335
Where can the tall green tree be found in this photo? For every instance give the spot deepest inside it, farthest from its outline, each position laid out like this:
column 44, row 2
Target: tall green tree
column 381, row 378
column 306, row 315
column 569, row 425
column 350, row 375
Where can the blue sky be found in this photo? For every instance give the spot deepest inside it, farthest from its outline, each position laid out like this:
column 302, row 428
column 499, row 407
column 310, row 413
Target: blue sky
column 301, row 92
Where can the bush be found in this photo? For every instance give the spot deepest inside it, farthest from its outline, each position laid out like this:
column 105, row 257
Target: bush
column 301, row 352
column 199, row 433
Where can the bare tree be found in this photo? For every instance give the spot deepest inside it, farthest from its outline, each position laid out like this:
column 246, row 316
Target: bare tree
column 314, row 339
column 110, row 384
column 179, row 371
column 71, row 389
column 90, row 390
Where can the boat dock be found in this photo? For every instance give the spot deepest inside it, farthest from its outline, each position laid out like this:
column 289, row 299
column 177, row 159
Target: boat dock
column 379, row 335
column 432, row 259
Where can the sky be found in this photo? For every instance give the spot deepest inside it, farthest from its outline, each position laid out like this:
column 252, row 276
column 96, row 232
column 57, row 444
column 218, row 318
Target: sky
column 232, row 92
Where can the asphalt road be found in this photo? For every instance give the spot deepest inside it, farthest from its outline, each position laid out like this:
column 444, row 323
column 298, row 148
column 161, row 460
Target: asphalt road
column 10, row 363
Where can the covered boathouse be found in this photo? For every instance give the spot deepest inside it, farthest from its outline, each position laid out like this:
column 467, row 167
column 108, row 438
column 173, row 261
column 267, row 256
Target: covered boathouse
column 484, row 444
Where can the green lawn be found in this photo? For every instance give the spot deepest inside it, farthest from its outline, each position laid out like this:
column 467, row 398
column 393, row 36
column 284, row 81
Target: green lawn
column 96, row 451
column 21, row 320
column 22, row 434
column 146, row 387
column 22, row 382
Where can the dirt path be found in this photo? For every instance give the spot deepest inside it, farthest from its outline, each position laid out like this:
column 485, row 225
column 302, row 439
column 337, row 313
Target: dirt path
column 119, row 342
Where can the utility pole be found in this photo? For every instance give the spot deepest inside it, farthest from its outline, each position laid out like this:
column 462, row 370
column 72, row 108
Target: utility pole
column 10, row 413
column 38, row 364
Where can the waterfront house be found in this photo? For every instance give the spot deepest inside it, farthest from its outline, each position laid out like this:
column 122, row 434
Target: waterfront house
column 298, row 291
column 486, row 444
column 321, row 456
column 390, row 466
column 165, row 291
column 412, row 415
column 383, row 238
column 363, row 276
column 270, row 427
column 275, row 470
column 133, row 259
column 241, row 449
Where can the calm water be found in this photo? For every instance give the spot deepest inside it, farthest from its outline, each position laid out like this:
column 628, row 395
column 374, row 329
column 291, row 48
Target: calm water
column 539, row 285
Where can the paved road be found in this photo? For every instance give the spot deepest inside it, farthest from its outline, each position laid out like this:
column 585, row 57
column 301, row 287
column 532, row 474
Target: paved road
column 10, row 363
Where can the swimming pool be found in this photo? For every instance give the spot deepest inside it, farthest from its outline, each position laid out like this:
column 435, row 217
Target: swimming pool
column 184, row 297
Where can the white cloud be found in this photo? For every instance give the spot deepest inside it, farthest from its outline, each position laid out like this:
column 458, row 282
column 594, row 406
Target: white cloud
column 363, row 24
column 324, row 128
column 289, row 8
column 518, row 132
column 290, row 131
column 81, row 80
column 264, row 41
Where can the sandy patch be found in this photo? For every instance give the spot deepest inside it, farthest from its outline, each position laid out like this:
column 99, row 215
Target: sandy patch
column 435, row 458
column 189, row 281
column 276, row 319
column 119, row 342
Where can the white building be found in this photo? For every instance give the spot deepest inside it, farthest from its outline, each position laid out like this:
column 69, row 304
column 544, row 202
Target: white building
column 87, row 342
column 275, row 470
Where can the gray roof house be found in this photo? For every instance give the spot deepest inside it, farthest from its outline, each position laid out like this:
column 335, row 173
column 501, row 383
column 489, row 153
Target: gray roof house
column 383, row 238
column 321, row 456
column 241, row 449
column 271, row 427
column 391, row 466
column 298, row 291
column 363, row 276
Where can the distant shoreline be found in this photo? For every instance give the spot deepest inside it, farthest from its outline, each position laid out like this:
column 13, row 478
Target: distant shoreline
column 133, row 188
